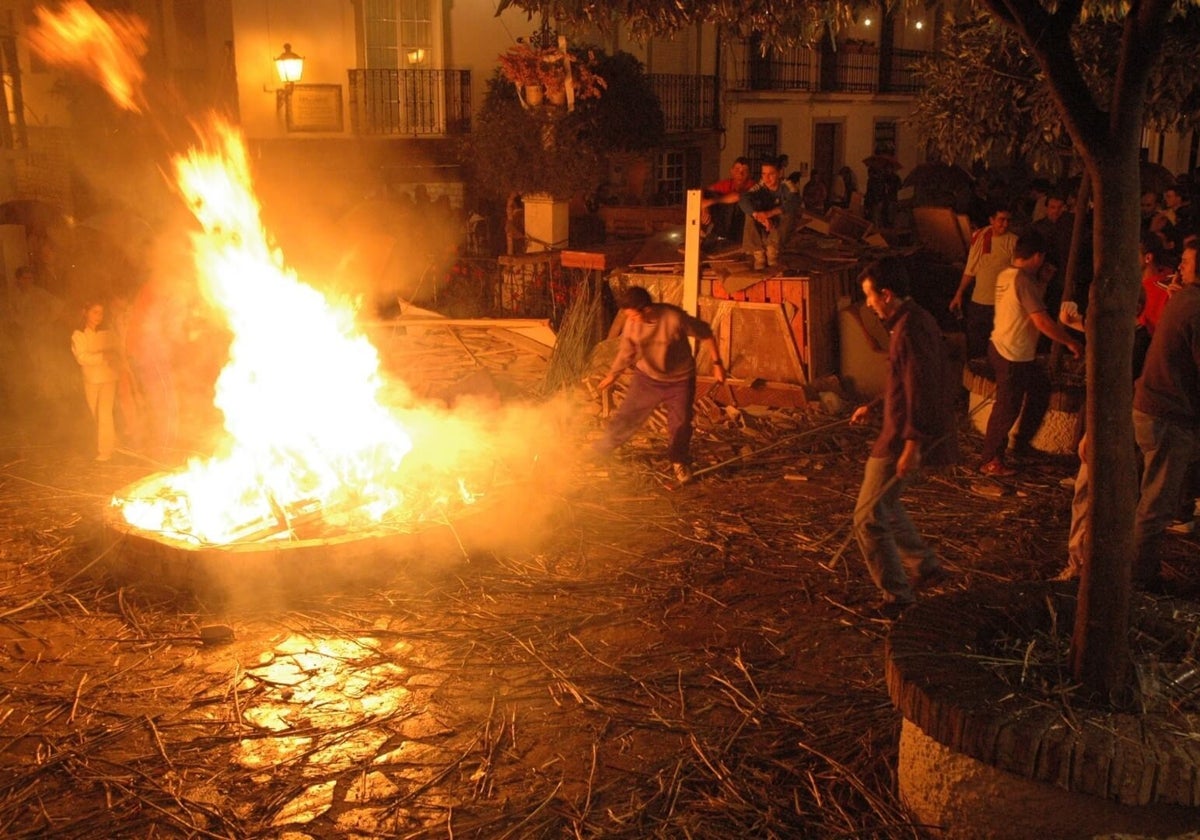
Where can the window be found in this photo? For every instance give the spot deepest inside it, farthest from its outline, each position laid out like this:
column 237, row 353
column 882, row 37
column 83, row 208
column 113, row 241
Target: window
column 671, row 177
column 762, row 141
column 399, row 33
column 401, row 90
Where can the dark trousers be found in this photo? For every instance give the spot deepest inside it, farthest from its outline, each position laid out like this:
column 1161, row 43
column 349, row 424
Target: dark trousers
column 1017, row 384
column 979, row 318
column 641, row 398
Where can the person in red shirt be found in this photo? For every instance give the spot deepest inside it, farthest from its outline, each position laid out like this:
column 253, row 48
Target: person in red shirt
column 719, row 212
column 1156, row 282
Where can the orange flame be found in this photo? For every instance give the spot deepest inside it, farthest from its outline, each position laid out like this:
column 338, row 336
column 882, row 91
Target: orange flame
column 106, row 46
column 308, row 437
column 299, row 394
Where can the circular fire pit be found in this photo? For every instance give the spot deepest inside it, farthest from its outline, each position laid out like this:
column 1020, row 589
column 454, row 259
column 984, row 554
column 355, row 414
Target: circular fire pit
column 987, row 752
column 281, row 562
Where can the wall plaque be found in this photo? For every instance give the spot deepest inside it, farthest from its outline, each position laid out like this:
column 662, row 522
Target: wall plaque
column 315, row 108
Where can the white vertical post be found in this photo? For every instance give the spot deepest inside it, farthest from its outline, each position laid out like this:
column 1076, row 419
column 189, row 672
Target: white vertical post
column 691, row 253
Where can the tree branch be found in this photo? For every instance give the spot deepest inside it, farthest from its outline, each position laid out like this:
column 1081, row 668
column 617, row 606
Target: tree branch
column 1048, row 39
column 1141, row 43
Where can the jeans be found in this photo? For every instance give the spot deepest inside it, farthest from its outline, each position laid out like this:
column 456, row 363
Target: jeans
column 754, row 239
column 1079, row 506
column 1167, row 450
column 1017, row 384
column 885, row 534
column 642, row 397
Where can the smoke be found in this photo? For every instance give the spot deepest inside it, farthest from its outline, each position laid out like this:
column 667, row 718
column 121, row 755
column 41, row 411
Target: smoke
column 486, row 473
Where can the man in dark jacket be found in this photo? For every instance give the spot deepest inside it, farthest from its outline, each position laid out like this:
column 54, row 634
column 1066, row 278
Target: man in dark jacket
column 918, row 430
column 1166, row 416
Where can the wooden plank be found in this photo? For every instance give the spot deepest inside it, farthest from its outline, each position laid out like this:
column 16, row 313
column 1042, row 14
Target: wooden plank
column 761, row 344
column 590, row 260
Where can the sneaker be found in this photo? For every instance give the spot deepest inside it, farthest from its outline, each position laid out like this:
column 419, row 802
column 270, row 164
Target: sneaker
column 683, row 473
column 996, row 467
column 760, row 260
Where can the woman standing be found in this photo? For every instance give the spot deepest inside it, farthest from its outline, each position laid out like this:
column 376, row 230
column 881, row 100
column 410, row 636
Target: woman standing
column 96, row 349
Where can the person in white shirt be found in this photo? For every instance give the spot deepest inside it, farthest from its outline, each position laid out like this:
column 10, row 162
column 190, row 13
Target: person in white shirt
column 1012, row 352
column 991, row 252
column 95, row 349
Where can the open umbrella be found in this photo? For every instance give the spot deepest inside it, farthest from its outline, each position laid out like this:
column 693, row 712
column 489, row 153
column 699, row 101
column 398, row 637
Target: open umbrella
column 1155, row 176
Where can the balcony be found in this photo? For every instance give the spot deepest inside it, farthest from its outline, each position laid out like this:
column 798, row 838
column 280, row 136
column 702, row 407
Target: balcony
column 853, row 68
column 688, row 102
column 410, row 103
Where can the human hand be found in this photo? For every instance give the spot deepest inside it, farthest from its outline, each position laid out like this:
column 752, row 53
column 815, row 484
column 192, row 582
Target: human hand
column 1076, row 348
column 860, row 415
column 606, row 382
column 909, row 461
column 956, row 304
column 1069, row 315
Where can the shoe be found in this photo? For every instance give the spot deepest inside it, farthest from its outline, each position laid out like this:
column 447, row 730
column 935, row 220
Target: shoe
column 683, row 473
column 760, row 260
column 772, row 257
column 1182, row 526
column 998, row 468
column 932, row 577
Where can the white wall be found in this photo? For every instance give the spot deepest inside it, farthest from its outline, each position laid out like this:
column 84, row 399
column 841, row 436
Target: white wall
column 797, row 114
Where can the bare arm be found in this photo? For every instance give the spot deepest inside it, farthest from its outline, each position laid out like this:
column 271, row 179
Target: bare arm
column 710, row 344
column 956, row 302
column 1054, row 330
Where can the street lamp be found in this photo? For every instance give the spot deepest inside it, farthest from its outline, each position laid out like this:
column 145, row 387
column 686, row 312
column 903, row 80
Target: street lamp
column 290, row 68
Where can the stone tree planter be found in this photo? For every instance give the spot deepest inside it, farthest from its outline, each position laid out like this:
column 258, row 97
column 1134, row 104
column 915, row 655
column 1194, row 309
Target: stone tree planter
column 547, row 223
column 1057, row 433
column 988, row 751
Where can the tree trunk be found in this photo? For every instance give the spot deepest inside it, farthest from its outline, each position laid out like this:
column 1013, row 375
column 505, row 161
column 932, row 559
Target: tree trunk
column 1100, row 646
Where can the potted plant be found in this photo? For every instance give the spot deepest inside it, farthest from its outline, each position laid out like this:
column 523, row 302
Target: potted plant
column 521, row 65
column 536, row 72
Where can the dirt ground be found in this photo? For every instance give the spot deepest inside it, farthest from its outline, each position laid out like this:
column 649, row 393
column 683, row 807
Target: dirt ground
column 664, row 662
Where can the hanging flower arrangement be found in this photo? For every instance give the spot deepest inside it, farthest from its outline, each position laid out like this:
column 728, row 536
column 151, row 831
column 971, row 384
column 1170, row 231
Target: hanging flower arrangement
column 563, row 75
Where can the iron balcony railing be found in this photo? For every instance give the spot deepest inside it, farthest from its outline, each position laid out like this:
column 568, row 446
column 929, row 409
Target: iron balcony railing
column 901, row 75
column 853, row 68
column 688, row 101
column 412, row 103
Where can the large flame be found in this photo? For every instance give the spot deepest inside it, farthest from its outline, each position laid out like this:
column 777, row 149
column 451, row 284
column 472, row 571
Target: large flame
column 300, row 393
column 106, row 46
column 309, row 443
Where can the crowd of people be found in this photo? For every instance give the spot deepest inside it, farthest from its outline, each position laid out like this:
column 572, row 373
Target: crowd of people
column 1013, row 302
